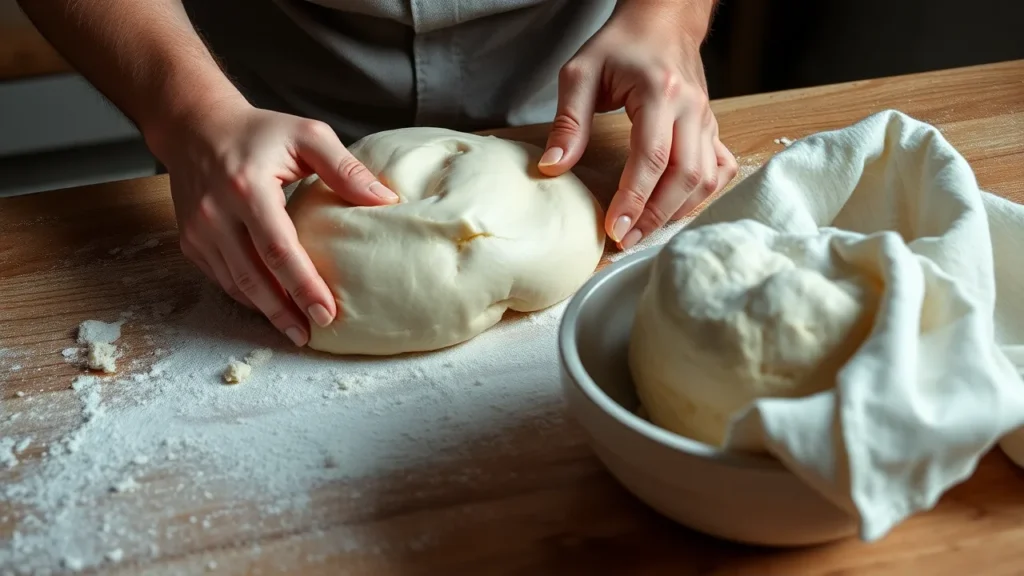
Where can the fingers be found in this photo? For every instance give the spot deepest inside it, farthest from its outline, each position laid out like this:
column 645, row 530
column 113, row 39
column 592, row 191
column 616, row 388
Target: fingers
column 207, row 258
column 651, row 145
column 727, row 165
column 253, row 279
column 709, row 180
column 219, row 273
column 674, row 188
column 222, row 248
column 570, row 131
column 277, row 244
column 319, row 147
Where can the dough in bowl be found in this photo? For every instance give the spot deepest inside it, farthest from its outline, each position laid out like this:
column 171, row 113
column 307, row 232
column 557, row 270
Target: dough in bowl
column 736, row 311
column 478, row 231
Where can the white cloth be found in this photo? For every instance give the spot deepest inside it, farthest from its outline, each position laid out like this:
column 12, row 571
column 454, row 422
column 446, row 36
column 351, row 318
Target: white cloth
column 933, row 387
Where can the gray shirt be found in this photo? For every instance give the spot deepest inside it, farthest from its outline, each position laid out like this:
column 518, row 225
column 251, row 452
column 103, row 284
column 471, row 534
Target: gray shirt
column 370, row 65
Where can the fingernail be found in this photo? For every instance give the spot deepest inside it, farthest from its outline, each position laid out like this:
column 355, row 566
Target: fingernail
column 551, row 156
column 631, row 239
column 296, row 335
column 383, row 192
column 621, row 226
column 320, row 315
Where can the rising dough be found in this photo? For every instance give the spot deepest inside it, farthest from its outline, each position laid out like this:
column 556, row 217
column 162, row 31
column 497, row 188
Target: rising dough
column 478, row 231
column 734, row 312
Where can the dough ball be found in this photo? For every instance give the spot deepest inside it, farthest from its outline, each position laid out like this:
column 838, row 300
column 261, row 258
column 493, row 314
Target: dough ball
column 734, row 312
column 478, row 231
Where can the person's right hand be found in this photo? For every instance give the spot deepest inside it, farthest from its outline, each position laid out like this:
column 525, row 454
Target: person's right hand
column 227, row 166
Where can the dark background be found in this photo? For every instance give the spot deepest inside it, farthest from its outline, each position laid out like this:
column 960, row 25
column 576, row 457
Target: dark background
column 767, row 45
column 754, row 46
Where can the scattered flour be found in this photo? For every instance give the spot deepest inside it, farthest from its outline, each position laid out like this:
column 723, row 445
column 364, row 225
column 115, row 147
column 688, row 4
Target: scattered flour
column 259, row 357
column 8, row 459
column 94, row 331
column 137, row 245
column 166, row 432
column 115, row 556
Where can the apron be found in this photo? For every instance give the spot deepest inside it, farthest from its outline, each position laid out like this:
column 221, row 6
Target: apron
column 364, row 66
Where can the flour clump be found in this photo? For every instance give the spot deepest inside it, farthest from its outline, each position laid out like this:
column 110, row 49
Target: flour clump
column 736, row 311
column 478, row 231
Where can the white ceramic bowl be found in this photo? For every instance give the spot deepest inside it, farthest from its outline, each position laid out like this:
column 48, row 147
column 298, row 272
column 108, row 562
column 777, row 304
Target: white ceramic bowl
column 745, row 498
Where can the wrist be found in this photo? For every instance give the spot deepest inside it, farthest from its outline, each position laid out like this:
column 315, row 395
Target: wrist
column 687, row 21
column 186, row 93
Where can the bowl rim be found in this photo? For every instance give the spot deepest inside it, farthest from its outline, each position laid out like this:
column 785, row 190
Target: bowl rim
column 570, row 359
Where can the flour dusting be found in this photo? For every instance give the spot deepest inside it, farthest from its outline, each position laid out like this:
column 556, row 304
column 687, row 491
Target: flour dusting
column 97, row 332
column 165, row 437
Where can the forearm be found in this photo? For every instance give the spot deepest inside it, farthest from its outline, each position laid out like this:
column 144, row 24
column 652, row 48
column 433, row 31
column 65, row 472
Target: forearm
column 144, row 56
column 693, row 17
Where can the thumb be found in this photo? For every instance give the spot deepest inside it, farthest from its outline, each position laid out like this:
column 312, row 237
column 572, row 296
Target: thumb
column 320, row 149
column 570, row 130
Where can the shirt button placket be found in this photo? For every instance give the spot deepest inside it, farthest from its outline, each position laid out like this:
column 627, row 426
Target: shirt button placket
column 436, row 62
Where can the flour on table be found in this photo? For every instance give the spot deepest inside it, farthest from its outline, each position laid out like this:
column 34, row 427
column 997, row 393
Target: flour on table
column 259, row 357
column 8, row 459
column 115, row 556
column 238, row 371
column 137, row 245
column 95, row 331
column 166, row 434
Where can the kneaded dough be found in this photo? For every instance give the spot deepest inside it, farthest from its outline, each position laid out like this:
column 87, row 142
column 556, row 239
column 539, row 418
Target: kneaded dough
column 478, row 231
column 734, row 312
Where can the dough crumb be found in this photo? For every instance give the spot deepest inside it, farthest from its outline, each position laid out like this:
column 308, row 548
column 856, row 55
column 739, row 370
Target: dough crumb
column 236, row 372
column 783, row 141
column 102, row 356
column 19, row 394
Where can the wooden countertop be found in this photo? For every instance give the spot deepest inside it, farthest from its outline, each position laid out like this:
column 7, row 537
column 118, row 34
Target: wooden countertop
column 563, row 513
column 24, row 53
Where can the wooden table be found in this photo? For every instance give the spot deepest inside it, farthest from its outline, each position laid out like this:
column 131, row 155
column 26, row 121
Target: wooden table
column 562, row 513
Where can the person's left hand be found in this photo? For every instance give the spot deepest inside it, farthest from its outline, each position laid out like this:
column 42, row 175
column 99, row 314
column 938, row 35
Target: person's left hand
column 646, row 59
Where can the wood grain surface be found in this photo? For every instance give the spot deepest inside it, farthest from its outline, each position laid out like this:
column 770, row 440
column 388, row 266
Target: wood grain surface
column 24, row 53
column 547, row 507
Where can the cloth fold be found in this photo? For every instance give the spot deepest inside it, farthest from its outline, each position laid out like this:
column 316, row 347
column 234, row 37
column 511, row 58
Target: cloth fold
column 938, row 381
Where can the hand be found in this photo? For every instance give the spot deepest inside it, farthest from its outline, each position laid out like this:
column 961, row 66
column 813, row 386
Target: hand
column 646, row 59
column 227, row 167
